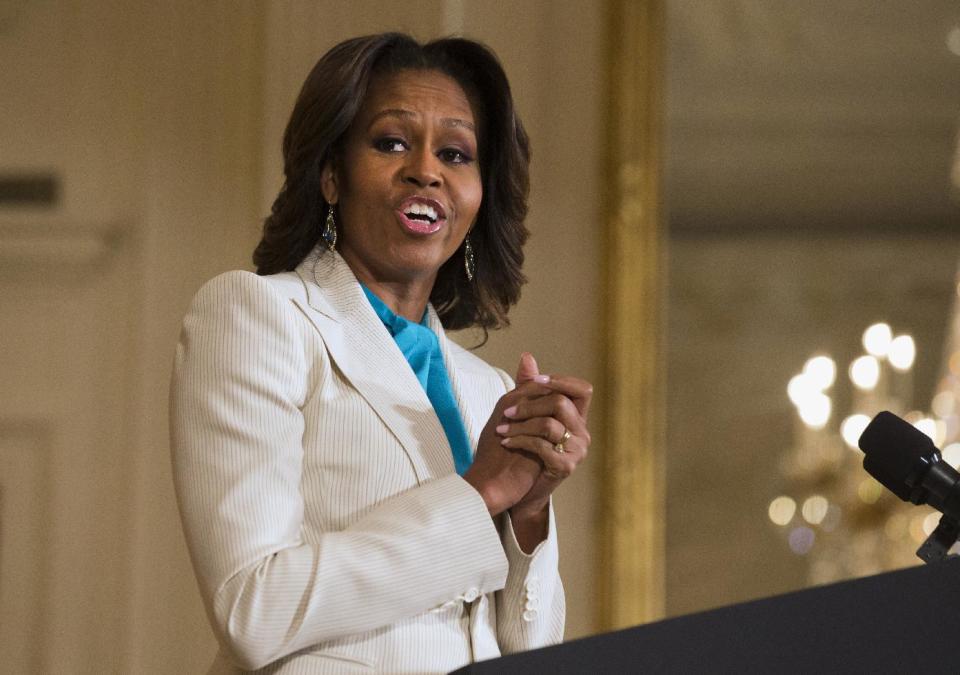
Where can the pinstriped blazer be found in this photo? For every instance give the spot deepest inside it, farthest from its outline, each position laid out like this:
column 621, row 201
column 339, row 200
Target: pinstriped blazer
column 327, row 527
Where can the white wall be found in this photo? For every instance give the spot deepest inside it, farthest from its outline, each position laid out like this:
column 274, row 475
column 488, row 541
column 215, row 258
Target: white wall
column 149, row 116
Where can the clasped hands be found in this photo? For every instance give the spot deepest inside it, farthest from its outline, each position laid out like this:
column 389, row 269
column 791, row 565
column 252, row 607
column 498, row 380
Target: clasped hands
column 535, row 438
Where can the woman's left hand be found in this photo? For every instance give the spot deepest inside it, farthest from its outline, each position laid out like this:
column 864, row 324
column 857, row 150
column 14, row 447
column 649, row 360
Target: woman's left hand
column 554, row 428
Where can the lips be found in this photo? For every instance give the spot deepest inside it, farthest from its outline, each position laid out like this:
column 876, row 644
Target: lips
column 421, row 215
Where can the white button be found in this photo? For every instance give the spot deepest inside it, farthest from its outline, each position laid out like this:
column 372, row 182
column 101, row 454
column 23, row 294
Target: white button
column 533, row 594
column 532, row 603
column 530, row 615
column 471, row 595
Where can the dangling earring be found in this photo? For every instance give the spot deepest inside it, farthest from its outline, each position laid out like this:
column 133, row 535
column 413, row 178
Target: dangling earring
column 469, row 261
column 329, row 232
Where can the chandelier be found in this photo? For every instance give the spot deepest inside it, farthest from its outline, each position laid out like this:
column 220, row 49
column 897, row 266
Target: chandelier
column 829, row 509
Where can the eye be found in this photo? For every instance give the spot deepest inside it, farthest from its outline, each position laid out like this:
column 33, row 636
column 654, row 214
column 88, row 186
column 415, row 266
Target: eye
column 454, row 156
column 390, row 144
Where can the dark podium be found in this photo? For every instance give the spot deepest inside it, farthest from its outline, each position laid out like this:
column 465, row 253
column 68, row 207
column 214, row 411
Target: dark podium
column 900, row 622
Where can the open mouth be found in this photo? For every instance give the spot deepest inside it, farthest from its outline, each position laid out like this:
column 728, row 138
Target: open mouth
column 421, row 215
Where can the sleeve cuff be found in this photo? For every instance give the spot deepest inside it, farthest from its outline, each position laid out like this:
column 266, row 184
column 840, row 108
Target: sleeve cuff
column 515, row 554
column 530, row 608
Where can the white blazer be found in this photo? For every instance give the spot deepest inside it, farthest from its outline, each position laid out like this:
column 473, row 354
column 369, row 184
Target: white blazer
column 328, row 529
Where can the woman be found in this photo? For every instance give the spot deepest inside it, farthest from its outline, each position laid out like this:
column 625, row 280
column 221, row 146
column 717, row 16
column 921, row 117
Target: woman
column 359, row 493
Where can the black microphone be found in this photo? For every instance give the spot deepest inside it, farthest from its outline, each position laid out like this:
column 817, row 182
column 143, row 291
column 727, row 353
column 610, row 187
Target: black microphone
column 906, row 462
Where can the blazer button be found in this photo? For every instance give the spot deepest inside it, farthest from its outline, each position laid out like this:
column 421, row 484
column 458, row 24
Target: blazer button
column 471, row 595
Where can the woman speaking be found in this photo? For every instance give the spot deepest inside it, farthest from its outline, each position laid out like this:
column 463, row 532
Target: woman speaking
column 359, row 493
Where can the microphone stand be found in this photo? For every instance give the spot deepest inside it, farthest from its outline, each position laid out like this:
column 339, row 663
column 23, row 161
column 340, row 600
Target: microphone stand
column 940, row 541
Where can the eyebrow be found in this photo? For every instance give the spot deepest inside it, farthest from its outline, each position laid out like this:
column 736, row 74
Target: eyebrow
column 408, row 114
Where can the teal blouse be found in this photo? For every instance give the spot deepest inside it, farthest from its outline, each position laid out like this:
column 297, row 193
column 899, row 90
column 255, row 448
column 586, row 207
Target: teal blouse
column 421, row 348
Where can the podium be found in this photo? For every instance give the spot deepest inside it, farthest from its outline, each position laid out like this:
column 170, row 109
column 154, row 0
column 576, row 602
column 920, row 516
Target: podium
column 906, row 621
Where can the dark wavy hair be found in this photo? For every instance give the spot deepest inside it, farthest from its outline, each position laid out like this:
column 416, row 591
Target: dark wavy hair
column 327, row 105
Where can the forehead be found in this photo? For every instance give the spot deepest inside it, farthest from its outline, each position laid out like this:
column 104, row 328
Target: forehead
column 422, row 92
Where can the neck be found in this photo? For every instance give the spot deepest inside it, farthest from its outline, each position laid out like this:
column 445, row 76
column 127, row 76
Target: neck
column 404, row 299
column 405, row 293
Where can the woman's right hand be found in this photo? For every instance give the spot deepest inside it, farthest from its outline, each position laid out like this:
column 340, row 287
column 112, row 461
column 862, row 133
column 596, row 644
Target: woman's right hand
column 503, row 476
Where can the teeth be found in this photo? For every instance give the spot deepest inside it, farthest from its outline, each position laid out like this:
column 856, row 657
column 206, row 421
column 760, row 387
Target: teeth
column 418, row 209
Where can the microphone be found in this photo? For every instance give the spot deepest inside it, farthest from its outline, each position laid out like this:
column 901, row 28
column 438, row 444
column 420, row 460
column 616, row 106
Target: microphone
column 905, row 461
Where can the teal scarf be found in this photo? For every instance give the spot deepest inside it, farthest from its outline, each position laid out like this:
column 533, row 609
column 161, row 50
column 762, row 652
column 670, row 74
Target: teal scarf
column 421, row 349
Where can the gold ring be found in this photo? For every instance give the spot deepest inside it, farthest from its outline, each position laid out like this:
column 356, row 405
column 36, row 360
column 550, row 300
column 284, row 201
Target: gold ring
column 559, row 446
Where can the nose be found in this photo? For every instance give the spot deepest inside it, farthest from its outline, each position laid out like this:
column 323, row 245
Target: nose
column 422, row 169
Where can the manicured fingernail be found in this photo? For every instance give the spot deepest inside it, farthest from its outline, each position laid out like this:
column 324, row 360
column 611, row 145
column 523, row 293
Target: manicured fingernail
column 542, row 379
column 505, row 441
column 503, row 428
column 511, row 411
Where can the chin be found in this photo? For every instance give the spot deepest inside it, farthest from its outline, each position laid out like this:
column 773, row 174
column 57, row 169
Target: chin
column 421, row 263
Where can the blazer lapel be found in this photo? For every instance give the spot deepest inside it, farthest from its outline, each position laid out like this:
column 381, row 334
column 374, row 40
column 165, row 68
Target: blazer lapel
column 460, row 388
column 370, row 360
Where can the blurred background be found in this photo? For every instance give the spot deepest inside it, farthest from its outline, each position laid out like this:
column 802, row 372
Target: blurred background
column 808, row 150
column 808, row 186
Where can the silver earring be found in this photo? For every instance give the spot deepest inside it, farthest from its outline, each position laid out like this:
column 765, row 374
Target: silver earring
column 329, row 232
column 469, row 261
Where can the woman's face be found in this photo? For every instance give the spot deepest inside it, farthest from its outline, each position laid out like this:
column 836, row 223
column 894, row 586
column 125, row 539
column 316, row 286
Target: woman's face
column 407, row 186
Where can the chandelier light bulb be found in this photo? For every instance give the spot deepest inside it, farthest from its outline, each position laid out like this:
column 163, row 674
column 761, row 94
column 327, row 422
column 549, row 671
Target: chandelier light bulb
column 814, row 509
column 903, row 351
column 801, row 540
column 815, row 410
column 799, row 389
column 941, row 432
column 869, row 491
column 876, row 339
column 944, row 404
column 852, row 428
column 865, row 372
column 820, row 371
column 927, row 426
column 781, row 510
column 951, row 455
